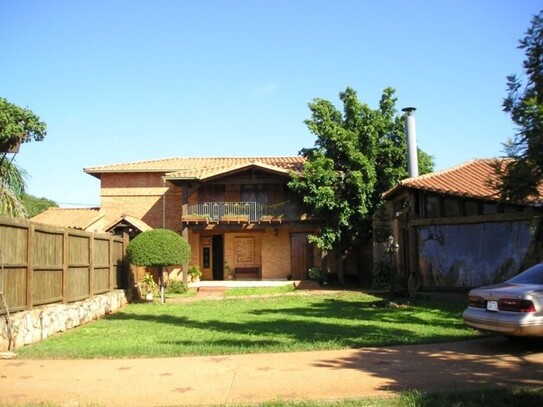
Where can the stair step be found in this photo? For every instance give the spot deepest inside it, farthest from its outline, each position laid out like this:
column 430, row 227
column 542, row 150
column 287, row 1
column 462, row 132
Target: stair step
column 212, row 289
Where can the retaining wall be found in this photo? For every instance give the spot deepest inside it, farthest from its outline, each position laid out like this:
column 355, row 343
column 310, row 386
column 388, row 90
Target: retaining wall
column 41, row 322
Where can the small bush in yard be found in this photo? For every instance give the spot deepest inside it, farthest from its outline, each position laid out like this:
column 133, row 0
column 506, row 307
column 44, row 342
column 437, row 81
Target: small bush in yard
column 176, row 287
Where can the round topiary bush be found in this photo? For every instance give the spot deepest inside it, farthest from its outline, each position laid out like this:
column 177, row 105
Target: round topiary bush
column 158, row 248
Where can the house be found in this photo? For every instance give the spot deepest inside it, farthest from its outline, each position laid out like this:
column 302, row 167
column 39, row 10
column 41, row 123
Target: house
column 236, row 213
column 452, row 230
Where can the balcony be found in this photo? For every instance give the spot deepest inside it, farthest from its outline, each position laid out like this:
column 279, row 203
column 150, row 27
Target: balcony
column 243, row 212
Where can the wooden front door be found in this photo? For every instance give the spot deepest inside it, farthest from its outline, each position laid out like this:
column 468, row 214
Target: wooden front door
column 212, row 257
column 301, row 255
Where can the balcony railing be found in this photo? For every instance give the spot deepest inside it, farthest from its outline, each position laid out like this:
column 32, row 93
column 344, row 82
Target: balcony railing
column 243, row 211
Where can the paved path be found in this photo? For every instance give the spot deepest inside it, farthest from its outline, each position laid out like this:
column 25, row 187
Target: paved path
column 260, row 377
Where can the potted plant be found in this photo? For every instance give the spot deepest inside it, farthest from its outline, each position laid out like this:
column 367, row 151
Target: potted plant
column 148, row 287
column 194, row 274
column 228, row 272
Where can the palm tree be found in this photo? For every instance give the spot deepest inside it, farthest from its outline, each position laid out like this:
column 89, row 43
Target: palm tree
column 12, row 188
column 17, row 125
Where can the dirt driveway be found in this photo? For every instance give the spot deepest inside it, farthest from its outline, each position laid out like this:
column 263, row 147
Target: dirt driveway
column 255, row 378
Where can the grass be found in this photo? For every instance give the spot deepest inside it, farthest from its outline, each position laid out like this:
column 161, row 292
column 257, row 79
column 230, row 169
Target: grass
column 484, row 397
column 264, row 324
column 246, row 291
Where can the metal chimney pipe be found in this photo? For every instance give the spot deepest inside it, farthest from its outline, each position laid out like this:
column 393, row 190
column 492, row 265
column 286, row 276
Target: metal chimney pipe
column 411, row 133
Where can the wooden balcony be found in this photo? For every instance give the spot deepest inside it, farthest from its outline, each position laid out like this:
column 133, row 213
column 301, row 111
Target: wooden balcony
column 243, row 212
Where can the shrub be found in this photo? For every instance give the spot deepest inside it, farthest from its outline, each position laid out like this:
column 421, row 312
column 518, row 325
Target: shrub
column 316, row 273
column 159, row 248
column 176, row 287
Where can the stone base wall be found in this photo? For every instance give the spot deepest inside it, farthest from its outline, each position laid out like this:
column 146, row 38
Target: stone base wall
column 39, row 323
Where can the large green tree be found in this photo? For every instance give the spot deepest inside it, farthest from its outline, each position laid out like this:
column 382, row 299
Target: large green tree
column 358, row 154
column 17, row 125
column 520, row 176
column 34, row 205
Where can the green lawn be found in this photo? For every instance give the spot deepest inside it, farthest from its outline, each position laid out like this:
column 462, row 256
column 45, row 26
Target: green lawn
column 484, row 397
column 266, row 324
column 244, row 291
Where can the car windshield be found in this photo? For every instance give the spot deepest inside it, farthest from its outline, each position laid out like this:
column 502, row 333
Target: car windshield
column 534, row 275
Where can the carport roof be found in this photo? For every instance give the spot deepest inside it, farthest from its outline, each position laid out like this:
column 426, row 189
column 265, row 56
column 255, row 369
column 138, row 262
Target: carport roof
column 472, row 179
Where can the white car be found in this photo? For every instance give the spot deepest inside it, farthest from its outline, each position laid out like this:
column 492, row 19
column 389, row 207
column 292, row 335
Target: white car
column 513, row 308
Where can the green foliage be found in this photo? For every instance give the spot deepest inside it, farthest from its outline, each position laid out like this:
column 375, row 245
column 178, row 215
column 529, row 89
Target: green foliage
column 176, row 287
column 34, row 205
column 159, row 248
column 519, row 178
column 315, row 273
column 358, row 155
column 18, row 123
column 12, row 187
column 148, row 284
column 194, row 272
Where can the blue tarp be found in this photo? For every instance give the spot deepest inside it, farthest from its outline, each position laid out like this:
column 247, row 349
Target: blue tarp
column 472, row 255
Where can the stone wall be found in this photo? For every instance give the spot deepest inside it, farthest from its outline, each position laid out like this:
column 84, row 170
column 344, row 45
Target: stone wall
column 39, row 323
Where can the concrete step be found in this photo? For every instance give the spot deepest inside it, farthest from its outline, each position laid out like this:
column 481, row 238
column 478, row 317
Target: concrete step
column 220, row 289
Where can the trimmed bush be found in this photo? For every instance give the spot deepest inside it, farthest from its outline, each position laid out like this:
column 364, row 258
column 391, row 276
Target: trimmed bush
column 158, row 248
column 176, row 287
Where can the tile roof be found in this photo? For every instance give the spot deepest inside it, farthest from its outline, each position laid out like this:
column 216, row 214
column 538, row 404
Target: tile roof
column 199, row 167
column 74, row 218
column 211, row 172
column 470, row 180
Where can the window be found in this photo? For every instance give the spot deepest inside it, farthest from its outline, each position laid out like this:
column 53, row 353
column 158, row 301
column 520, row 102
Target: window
column 452, row 207
column 490, row 209
column 211, row 193
column 431, row 206
column 471, row 208
column 254, row 193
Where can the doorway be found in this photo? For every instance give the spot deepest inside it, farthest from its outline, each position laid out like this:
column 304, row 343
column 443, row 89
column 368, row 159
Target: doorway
column 217, row 249
column 301, row 254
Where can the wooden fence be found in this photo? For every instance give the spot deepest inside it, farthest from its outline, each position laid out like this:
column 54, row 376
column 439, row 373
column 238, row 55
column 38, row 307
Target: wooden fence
column 42, row 265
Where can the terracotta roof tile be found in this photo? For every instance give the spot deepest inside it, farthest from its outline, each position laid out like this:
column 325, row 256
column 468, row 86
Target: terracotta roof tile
column 198, row 166
column 69, row 217
column 210, row 172
column 470, row 179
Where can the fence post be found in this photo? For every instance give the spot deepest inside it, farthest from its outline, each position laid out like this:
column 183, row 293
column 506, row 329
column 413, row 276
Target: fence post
column 112, row 273
column 29, row 264
column 92, row 248
column 65, row 240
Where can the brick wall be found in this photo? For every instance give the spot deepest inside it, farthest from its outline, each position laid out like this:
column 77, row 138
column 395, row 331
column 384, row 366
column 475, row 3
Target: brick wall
column 141, row 195
column 276, row 254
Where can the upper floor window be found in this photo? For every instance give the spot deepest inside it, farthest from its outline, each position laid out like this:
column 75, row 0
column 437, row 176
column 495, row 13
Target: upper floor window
column 254, row 193
column 211, row 193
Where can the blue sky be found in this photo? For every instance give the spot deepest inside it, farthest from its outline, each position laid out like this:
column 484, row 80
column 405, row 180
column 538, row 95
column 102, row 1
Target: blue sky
column 121, row 81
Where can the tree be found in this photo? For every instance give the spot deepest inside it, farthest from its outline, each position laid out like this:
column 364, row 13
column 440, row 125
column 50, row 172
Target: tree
column 519, row 176
column 12, row 187
column 34, row 205
column 158, row 248
column 359, row 154
column 17, row 125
